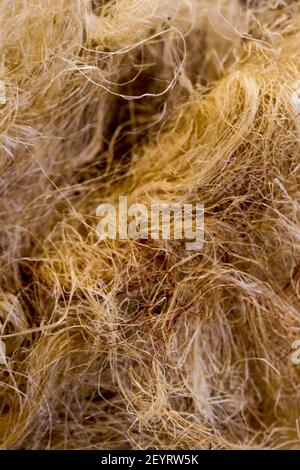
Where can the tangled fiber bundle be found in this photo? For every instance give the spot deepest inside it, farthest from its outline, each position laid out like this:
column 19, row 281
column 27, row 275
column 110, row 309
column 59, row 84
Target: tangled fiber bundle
column 142, row 344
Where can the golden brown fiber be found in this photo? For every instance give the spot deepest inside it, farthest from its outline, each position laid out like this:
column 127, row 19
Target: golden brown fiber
column 142, row 344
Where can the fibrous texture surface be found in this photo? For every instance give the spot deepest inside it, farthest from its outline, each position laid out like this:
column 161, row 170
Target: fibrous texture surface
column 138, row 344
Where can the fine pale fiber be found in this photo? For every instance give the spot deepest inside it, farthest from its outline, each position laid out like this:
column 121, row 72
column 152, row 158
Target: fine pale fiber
column 142, row 344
